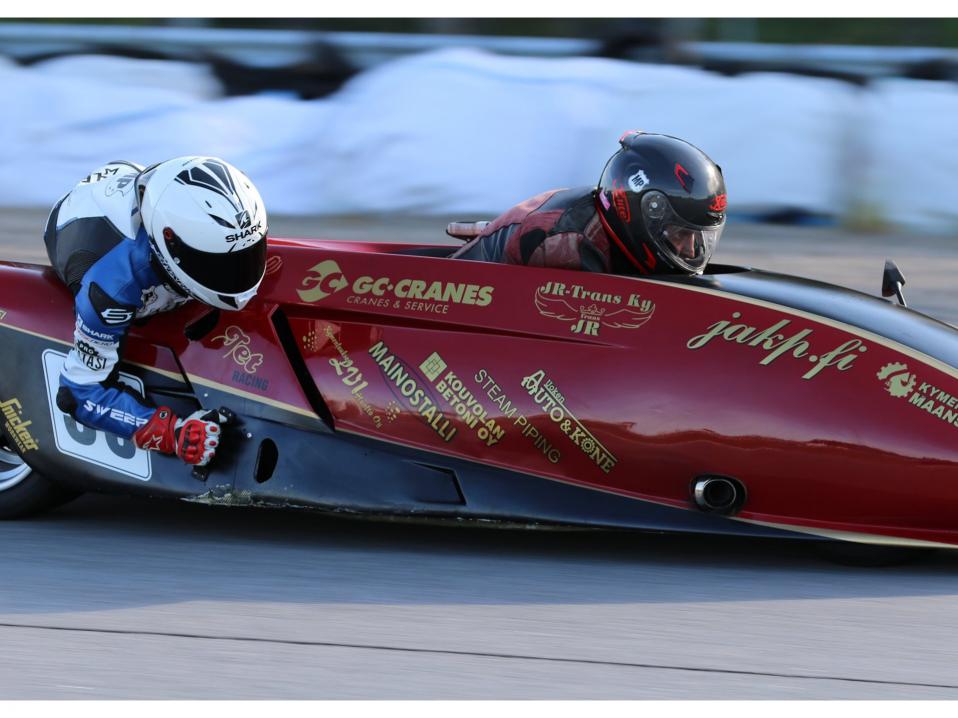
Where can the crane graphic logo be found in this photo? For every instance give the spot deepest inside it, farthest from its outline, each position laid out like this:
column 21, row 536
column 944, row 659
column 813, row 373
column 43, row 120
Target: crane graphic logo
column 325, row 278
column 898, row 381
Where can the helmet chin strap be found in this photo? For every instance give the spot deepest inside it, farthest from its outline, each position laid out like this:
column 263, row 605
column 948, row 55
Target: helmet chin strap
column 621, row 245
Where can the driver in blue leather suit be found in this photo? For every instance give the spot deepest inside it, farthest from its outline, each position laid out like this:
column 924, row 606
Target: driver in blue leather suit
column 130, row 242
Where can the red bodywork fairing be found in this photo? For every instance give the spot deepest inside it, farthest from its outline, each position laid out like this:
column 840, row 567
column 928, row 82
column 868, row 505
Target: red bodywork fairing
column 632, row 387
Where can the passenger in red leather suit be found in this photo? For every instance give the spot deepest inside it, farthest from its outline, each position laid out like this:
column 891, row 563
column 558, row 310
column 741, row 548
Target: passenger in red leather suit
column 659, row 208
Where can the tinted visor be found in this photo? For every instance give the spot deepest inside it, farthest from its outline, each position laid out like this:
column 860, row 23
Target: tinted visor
column 233, row 272
column 689, row 246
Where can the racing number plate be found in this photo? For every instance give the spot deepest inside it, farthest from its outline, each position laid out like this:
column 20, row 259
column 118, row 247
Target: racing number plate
column 87, row 444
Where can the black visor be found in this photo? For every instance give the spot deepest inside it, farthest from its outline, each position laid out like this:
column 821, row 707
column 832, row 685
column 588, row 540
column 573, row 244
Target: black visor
column 232, row 272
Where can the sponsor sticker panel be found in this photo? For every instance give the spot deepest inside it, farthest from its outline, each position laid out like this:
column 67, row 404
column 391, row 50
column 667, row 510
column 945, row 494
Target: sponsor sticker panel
column 237, row 345
column 92, row 335
column 919, row 395
column 784, row 341
column 453, row 400
column 410, row 389
column 458, row 395
column 239, row 348
column 16, row 426
column 352, row 378
column 90, row 355
column 547, row 397
column 638, row 181
column 588, row 311
column 527, row 428
column 410, row 294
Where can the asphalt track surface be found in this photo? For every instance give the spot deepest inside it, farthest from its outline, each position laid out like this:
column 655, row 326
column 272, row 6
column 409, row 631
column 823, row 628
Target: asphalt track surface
column 110, row 597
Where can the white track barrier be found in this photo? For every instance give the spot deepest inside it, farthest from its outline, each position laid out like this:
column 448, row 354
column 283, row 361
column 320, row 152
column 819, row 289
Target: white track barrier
column 912, row 139
column 467, row 132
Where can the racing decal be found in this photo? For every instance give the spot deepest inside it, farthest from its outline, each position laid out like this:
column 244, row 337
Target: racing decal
column 589, row 310
column 214, row 176
column 100, row 175
column 462, row 401
column 237, row 345
column 110, row 311
column 719, row 203
column 2, row 315
column 244, row 226
column 123, row 417
column 273, row 264
column 621, row 202
column 777, row 344
column 311, row 342
column 433, row 366
column 897, row 379
column 353, row 379
column 684, row 178
column 325, row 279
column 406, row 381
column 244, row 233
column 17, row 428
column 250, row 380
column 547, row 397
column 415, row 295
column 638, row 181
column 93, row 335
column 433, row 297
column 90, row 355
column 120, row 185
column 901, row 383
column 88, row 444
column 491, row 388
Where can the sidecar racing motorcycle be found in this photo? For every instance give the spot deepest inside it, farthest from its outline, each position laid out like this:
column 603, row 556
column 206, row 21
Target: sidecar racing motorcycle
column 389, row 380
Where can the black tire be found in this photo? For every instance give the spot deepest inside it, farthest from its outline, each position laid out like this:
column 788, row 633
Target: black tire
column 24, row 492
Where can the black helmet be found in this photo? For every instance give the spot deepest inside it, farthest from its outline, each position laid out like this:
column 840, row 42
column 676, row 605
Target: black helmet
column 662, row 202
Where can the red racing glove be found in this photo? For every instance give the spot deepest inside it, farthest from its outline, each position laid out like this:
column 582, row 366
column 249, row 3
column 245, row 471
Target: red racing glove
column 194, row 439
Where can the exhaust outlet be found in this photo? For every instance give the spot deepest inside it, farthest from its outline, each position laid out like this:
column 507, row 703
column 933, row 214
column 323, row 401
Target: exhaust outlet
column 718, row 494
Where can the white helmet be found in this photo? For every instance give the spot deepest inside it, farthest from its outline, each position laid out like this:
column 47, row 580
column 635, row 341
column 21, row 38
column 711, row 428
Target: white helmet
column 207, row 225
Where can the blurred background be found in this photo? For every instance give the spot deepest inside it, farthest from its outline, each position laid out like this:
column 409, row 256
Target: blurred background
column 844, row 122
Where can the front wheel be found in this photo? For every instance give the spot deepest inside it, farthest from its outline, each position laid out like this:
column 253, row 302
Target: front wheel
column 22, row 490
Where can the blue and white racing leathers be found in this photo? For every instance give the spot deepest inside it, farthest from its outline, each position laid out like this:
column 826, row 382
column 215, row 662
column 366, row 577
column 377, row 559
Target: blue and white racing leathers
column 98, row 247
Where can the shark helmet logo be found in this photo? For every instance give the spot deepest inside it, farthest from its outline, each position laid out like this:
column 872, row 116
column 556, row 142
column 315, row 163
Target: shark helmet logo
column 243, row 220
column 325, row 278
column 898, row 381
